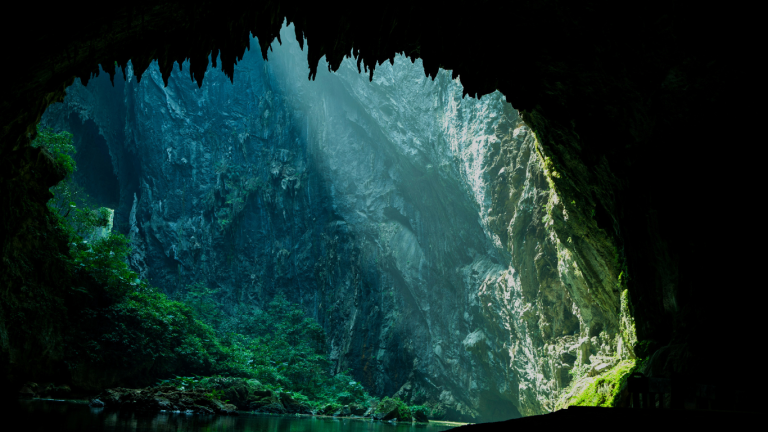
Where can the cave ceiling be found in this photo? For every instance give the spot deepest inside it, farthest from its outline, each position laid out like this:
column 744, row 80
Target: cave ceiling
column 572, row 45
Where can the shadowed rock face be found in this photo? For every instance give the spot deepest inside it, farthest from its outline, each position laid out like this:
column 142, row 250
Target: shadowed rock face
column 411, row 222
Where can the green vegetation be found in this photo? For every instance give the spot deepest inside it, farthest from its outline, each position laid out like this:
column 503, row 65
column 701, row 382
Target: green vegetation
column 121, row 331
column 393, row 408
column 421, row 411
column 627, row 332
column 59, row 147
column 69, row 201
column 604, row 390
column 117, row 325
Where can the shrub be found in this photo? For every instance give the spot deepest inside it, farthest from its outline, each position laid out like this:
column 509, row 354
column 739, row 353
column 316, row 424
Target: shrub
column 393, row 408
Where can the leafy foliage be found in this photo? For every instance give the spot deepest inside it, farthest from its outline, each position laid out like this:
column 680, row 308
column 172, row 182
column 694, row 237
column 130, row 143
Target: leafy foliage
column 69, row 202
column 124, row 329
column 387, row 405
column 117, row 324
column 344, row 390
column 201, row 300
column 421, row 409
column 290, row 347
column 58, row 145
column 279, row 346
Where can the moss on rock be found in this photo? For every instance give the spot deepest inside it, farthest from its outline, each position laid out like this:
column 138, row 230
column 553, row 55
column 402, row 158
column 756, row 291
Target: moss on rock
column 604, row 390
column 392, row 409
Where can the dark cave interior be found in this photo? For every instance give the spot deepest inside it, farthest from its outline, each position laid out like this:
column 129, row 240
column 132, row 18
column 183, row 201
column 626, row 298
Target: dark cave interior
column 625, row 100
column 98, row 177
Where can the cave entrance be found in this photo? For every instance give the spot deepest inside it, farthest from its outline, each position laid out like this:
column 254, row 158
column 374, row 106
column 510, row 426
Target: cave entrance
column 376, row 208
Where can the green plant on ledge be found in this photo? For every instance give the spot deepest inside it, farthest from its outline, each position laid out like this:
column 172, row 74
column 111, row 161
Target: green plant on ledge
column 216, row 395
column 600, row 391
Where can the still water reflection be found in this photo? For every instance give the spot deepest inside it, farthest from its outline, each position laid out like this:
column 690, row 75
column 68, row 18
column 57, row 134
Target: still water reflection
column 40, row 415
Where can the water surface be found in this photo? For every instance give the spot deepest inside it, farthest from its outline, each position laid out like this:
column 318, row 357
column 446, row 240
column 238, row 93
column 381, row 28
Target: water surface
column 47, row 415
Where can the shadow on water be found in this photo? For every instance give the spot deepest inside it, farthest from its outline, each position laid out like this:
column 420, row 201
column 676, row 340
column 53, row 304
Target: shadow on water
column 43, row 415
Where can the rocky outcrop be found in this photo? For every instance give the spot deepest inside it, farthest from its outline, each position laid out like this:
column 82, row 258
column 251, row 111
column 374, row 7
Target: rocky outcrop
column 390, row 409
column 163, row 399
column 419, row 227
column 49, row 390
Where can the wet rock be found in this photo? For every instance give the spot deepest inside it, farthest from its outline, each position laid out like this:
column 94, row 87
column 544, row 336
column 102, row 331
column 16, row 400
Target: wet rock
column 28, row 391
column 265, row 401
column 292, row 406
column 96, row 403
column 328, row 410
column 238, row 391
column 272, row 408
column 389, row 409
column 111, row 396
column 162, row 403
column 225, row 408
column 344, row 411
column 357, row 410
column 163, row 399
column 54, row 391
column 420, row 416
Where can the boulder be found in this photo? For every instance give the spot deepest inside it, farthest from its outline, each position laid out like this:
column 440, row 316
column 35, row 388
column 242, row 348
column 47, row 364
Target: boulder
column 165, row 399
column 59, row 391
column 237, row 394
column 28, row 391
column 272, row 408
column 357, row 410
column 344, row 411
column 392, row 409
column 203, row 410
column 111, row 396
column 163, row 404
column 328, row 409
column 420, row 416
column 293, row 406
column 224, row 408
column 384, row 415
column 266, row 402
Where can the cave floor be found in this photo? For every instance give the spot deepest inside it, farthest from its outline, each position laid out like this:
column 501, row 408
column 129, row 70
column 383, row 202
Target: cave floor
column 625, row 419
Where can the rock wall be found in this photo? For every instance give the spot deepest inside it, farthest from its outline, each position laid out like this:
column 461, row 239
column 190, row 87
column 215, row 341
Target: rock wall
column 417, row 226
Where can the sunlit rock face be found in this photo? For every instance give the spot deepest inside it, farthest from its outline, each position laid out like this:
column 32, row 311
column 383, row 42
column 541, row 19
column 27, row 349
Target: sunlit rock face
column 416, row 226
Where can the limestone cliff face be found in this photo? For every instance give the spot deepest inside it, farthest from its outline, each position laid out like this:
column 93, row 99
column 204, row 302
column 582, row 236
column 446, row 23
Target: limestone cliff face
column 418, row 227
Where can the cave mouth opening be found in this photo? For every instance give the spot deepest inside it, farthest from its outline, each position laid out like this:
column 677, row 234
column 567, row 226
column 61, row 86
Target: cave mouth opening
column 382, row 208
